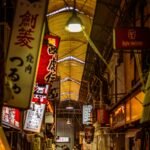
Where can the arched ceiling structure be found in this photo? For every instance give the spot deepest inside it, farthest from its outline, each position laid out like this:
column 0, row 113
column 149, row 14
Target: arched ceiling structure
column 77, row 60
column 73, row 46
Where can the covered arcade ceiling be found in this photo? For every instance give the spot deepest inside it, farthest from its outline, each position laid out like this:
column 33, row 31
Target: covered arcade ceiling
column 76, row 57
column 73, row 46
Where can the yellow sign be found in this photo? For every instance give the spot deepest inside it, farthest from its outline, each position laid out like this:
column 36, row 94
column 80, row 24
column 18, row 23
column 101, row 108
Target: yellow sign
column 3, row 141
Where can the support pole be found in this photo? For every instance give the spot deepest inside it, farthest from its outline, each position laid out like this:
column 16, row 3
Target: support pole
column 1, row 81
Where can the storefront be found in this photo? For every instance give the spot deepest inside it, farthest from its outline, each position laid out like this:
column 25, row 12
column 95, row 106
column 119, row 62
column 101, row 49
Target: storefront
column 125, row 119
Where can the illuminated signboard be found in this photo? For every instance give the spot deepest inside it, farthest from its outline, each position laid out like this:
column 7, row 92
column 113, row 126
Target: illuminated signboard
column 11, row 117
column 35, row 114
column 40, row 93
column 86, row 115
column 62, row 139
column 131, row 38
column 23, row 51
column 34, row 117
column 48, row 60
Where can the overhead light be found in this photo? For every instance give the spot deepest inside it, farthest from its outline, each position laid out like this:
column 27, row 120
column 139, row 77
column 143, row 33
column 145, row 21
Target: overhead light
column 69, row 107
column 74, row 24
column 68, row 121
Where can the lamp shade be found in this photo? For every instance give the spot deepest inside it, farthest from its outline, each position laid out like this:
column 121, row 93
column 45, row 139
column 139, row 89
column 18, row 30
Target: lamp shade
column 74, row 24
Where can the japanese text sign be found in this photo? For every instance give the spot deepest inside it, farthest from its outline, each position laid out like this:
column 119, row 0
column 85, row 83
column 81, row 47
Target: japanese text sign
column 24, row 49
column 86, row 115
column 11, row 117
column 131, row 38
column 34, row 117
column 54, row 92
column 35, row 114
column 48, row 60
column 40, row 94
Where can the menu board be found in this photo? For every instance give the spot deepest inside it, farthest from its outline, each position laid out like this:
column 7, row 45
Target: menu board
column 3, row 141
column 34, row 117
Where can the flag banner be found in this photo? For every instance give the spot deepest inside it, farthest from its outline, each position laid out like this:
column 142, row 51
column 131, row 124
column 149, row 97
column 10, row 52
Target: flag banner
column 24, row 50
column 48, row 60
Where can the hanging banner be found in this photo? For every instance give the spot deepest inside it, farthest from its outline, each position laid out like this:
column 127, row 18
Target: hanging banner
column 86, row 115
column 54, row 92
column 48, row 60
column 23, row 50
column 131, row 38
column 102, row 116
column 11, row 117
column 34, row 117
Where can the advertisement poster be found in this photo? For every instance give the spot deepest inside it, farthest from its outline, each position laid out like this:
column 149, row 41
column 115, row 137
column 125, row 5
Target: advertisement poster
column 34, row 117
column 24, row 50
column 11, row 117
column 3, row 141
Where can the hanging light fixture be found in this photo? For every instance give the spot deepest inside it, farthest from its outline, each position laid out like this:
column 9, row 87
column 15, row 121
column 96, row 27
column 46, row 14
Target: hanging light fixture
column 74, row 24
column 69, row 106
column 68, row 121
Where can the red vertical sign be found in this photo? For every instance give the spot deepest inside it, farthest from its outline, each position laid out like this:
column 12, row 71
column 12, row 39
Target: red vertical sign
column 48, row 60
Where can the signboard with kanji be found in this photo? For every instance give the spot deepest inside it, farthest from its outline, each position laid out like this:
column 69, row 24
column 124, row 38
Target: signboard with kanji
column 131, row 38
column 86, row 114
column 24, row 50
column 34, row 117
column 11, row 117
column 48, row 60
